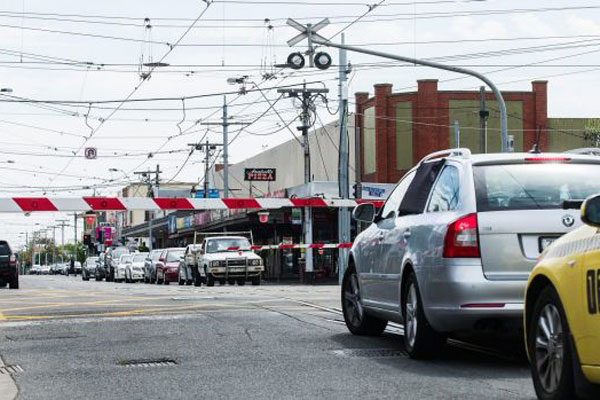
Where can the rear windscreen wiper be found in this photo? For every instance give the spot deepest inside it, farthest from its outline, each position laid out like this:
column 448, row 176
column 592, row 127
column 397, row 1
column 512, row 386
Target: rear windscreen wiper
column 572, row 204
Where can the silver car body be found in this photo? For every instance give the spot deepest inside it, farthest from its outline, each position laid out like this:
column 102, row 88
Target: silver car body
column 459, row 293
column 134, row 271
column 124, row 260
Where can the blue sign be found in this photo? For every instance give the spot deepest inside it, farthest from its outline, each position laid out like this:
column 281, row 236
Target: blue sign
column 374, row 192
column 212, row 193
column 172, row 224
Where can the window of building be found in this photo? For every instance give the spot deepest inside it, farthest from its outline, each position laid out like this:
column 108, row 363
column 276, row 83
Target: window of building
column 368, row 134
column 404, row 135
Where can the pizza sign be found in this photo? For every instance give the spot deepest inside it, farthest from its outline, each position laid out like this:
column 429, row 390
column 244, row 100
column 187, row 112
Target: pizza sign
column 260, row 174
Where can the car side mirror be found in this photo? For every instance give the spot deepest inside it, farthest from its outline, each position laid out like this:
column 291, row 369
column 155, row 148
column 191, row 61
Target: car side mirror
column 590, row 211
column 364, row 212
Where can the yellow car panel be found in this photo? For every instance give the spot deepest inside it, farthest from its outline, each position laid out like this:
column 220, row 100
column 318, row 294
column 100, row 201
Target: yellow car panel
column 572, row 265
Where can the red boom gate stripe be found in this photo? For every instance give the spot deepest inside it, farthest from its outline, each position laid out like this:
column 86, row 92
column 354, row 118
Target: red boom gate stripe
column 175, row 203
column 241, row 203
column 313, row 202
column 34, row 204
column 104, row 203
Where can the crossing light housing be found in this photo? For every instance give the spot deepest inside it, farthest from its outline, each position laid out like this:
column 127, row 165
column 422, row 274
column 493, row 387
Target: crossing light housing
column 296, row 61
column 322, row 60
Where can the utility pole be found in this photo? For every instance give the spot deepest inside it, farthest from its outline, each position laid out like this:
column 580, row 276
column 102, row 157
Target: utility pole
column 483, row 119
column 206, row 147
column 306, row 96
column 309, row 31
column 146, row 178
column 456, row 134
column 62, row 224
column 225, row 124
column 53, row 243
column 343, row 180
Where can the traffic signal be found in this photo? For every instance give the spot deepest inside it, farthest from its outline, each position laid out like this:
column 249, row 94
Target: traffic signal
column 356, row 191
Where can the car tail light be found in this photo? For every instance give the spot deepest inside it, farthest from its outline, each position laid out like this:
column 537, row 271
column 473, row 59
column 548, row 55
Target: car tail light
column 12, row 261
column 461, row 239
column 547, row 159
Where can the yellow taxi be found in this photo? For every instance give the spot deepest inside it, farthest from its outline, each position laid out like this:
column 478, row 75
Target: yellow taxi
column 562, row 313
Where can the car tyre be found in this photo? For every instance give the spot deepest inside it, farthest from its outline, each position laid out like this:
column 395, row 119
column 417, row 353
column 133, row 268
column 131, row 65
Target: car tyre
column 241, row 282
column 158, row 281
column 357, row 320
column 14, row 281
column 181, row 281
column 420, row 339
column 231, row 281
column 549, row 348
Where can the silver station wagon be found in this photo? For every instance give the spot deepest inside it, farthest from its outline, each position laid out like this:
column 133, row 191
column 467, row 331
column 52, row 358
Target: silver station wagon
column 452, row 247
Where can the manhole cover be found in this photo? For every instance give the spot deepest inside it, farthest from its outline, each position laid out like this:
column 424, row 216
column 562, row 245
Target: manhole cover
column 163, row 362
column 370, row 353
column 10, row 369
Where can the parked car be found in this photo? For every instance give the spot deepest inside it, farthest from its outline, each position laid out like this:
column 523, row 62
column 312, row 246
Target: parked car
column 562, row 324
column 135, row 269
column 101, row 267
column 150, row 265
column 9, row 273
column 35, row 269
column 45, row 270
column 111, row 261
column 122, row 264
column 453, row 245
column 228, row 259
column 188, row 266
column 167, row 267
column 89, row 268
column 77, row 267
column 55, row 269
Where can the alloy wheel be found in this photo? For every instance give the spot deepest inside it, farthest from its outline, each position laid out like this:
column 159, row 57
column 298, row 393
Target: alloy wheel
column 354, row 309
column 411, row 315
column 549, row 348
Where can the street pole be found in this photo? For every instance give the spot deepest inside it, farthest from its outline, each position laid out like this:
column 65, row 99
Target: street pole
column 456, row 134
column 306, row 94
column 225, row 124
column 501, row 104
column 146, row 178
column 343, row 179
column 483, row 117
column 54, row 244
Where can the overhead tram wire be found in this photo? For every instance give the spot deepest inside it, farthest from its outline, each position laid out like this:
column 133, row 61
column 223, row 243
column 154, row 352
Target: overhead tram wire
column 137, row 87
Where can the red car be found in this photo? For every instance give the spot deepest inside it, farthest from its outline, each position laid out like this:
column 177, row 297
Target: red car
column 167, row 267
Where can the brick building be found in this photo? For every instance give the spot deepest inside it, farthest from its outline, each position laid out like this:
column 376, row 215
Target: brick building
column 397, row 129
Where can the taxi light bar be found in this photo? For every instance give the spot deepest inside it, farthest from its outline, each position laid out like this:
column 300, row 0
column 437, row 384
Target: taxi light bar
column 547, row 159
column 483, row 305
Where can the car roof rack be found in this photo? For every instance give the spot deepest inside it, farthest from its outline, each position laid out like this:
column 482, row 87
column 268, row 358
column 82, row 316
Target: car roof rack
column 460, row 152
column 590, row 151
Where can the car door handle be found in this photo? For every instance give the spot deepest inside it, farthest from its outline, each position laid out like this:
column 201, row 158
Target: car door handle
column 406, row 234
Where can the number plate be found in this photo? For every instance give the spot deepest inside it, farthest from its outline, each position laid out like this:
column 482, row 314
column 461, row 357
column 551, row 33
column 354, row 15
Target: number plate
column 238, row 269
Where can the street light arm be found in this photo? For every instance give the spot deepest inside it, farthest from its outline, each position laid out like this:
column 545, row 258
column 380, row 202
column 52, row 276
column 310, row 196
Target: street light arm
column 501, row 104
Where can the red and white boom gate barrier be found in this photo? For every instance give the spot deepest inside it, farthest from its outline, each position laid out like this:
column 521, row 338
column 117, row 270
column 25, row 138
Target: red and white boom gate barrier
column 317, row 246
column 83, row 204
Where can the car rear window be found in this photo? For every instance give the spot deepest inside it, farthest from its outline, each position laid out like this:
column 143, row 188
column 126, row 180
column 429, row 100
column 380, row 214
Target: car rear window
column 4, row 249
column 140, row 257
column 533, row 186
column 174, row 255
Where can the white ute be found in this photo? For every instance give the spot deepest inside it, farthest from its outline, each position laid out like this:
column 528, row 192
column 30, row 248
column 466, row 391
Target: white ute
column 228, row 259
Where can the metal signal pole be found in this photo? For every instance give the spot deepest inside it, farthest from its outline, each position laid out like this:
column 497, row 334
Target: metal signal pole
column 343, row 179
column 206, row 148
column 306, row 96
column 146, row 177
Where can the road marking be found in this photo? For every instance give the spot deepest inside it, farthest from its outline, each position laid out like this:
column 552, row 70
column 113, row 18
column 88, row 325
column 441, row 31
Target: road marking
column 2, row 317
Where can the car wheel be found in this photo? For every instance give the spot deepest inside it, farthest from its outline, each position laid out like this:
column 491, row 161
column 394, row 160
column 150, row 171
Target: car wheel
column 14, row 282
column 256, row 281
column 158, row 280
column 181, row 281
column 210, row 280
column 551, row 358
column 420, row 339
column 241, row 282
column 357, row 321
column 231, row 281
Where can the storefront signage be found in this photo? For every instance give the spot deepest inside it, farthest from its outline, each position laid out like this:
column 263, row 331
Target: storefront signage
column 260, row 174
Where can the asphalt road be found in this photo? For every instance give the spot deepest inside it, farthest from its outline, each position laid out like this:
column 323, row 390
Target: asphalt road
column 77, row 340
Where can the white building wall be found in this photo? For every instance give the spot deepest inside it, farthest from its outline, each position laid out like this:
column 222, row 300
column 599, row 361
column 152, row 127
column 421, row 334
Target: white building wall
column 288, row 159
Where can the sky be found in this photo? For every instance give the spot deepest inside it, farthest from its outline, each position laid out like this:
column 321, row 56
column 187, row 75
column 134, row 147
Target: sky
column 69, row 55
